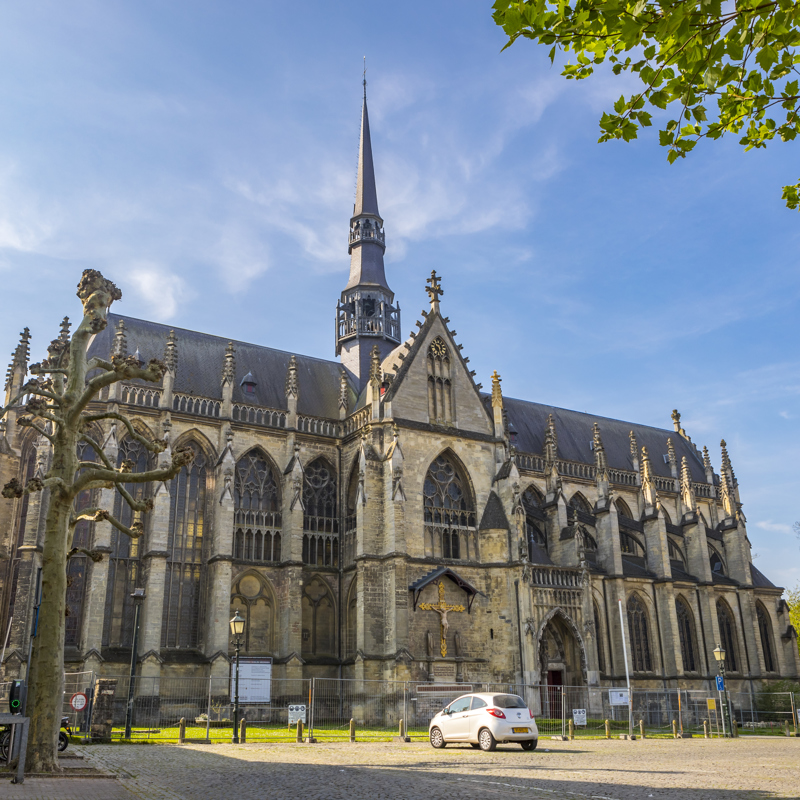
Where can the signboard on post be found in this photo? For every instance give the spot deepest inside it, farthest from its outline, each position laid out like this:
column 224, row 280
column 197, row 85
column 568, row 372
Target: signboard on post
column 720, row 683
column 618, row 697
column 579, row 716
column 78, row 701
column 255, row 680
column 712, row 704
column 297, row 714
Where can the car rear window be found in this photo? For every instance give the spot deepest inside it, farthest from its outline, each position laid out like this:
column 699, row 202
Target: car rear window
column 508, row 701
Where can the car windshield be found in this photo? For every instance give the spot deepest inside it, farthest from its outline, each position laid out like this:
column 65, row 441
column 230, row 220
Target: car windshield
column 508, row 701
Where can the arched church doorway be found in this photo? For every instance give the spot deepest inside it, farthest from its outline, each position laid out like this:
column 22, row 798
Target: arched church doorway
column 562, row 662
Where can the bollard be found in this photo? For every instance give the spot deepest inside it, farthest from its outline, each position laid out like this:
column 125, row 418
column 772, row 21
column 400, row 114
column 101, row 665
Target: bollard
column 705, row 729
column 735, row 729
column 674, row 729
column 352, row 730
column 608, row 729
column 641, row 728
column 571, row 730
column 401, row 732
column 182, row 731
column 299, row 731
column 243, row 734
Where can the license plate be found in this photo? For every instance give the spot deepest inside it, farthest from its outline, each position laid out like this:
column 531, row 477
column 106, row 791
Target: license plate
column 519, row 730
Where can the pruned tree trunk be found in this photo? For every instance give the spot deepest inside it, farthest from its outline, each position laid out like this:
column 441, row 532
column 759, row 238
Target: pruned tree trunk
column 58, row 409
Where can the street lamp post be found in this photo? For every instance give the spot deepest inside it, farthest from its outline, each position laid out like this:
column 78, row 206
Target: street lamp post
column 719, row 654
column 138, row 597
column 237, row 629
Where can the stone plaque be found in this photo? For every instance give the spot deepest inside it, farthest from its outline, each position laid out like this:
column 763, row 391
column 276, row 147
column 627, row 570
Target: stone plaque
column 443, row 671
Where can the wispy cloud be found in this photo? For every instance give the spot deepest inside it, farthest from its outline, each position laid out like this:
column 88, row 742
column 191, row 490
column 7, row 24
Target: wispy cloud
column 774, row 527
column 159, row 292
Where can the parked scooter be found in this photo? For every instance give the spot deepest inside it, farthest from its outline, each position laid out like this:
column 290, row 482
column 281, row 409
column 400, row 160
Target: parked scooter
column 63, row 738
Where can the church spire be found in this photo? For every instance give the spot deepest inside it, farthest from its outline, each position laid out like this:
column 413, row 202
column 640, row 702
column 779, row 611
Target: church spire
column 365, row 314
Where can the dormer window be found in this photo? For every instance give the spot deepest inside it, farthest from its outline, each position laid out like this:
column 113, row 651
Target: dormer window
column 248, row 384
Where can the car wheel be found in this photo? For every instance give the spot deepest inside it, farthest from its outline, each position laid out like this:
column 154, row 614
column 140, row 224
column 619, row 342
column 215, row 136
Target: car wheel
column 486, row 741
column 437, row 740
column 530, row 744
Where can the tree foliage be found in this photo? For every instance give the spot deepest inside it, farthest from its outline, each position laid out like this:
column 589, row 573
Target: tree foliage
column 688, row 54
column 793, row 600
column 57, row 403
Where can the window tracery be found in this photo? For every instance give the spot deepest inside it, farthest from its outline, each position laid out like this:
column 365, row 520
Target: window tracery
column 123, row 567
column 180, row 625
column 253, row 599
column 638, row 627
column 319, row 619
column 727, row 635
column 320, row 519
column 449, row 512
column 686, row 635
column 257, row 514
column 675, row 553
column 535, row 522
column 630, row 545
column 440, row 394
column 767, row 642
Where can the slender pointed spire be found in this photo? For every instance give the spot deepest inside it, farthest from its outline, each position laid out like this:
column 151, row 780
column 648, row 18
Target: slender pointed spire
column 366, row 193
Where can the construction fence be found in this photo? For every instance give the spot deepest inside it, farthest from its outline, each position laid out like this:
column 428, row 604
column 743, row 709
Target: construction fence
column 156, row 707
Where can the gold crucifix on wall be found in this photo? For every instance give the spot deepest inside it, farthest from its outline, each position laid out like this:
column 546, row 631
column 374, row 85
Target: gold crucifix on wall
column 442, row 609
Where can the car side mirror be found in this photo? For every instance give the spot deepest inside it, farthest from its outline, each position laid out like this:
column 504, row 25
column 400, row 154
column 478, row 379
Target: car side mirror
column 445, row 711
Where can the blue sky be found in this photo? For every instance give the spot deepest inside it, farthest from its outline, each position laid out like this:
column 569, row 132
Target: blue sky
column 203, row 155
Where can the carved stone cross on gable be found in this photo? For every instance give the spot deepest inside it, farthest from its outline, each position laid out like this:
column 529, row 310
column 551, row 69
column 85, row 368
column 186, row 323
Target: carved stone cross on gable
column 442, row 609
column 434, row 290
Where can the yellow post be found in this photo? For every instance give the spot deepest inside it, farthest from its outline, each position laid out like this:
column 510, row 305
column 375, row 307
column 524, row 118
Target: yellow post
column 705, row 729
column 674, row 729
column 571, row 730
column 299, row 731
column 641, row 728
column 401, row 732
column 608, row 729
column 352, row 730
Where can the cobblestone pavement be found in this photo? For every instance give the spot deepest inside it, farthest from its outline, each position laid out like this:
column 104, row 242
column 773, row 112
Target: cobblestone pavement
column 743, row 769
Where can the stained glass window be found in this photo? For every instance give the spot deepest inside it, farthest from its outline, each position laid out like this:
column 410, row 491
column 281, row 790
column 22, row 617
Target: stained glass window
column 449, row 512
column 765, row 631
column 727, row 635
column 321, row 516
column 686, row 635
column 638, row 629
column 535, row 520
column 257, row 514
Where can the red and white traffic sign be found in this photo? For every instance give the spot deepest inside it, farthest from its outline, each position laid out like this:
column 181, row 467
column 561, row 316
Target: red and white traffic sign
column 78, row 701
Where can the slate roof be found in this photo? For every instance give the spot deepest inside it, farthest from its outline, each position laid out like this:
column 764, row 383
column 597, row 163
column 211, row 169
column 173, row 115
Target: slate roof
column 494, row 517
column 574, row 429
column 760, row 580
column 201, row 357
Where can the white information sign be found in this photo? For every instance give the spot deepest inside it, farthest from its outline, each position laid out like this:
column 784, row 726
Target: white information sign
column 297, row 714
column 78, row 701
column 618, row 697
column 579, row 716
column 255, row 680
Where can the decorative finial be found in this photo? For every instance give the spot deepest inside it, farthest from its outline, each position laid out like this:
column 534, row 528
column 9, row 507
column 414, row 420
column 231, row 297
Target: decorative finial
column 434, row 290
column 550, row 441
column 171, row 353
column 634, row 446
column 497, row 392
column 706, row 458
column 292, row 388
column 671, row 457
column 375, row 372
column 120, row 340
column 600, row 459
column 687, row 489
column 365, row 77
column 343, row 393
column 65, row 326
column 229, row 368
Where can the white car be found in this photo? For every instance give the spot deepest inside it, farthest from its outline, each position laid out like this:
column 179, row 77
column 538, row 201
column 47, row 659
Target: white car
column 483, row 720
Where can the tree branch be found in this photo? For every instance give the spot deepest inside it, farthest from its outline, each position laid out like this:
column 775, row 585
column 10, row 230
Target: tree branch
column 99, row 450
column 102, row 515
column 157, row 446
column 95, row 555
column 27, row 422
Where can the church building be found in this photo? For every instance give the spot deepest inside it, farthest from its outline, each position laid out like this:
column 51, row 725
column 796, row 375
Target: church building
column 382, row 516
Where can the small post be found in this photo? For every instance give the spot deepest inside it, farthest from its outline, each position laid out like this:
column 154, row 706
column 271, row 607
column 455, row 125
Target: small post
column 352, row 730
column 705, row 729
column 299, row 731
column 571, row 730
column 401, row 732
column 674, row 729
column 182, row 731
column 243, row 734
column 786, row 727
column 608, row 729
column 641, row 728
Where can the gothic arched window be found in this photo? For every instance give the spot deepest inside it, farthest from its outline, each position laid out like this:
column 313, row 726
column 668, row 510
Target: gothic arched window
column 252, row 597
column 686, row 635
column 598, row 636
column 727, row 635
column 630, row 545
column 320, row 519
column 714, row 559
column 622, row 508
column 77, row 565
column 440, row 394
column 580, row 504
column 257, row 510
column 676, row 554
column 351, row 519
column 319, row 620
column 180, row 624
column 638, row 629
column 535, row 522
column 449, row 512
column 352, row 618
column 123, row 566
column 767, row 643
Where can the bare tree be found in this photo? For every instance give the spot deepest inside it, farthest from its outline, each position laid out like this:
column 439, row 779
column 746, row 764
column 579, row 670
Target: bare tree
column 57, row 400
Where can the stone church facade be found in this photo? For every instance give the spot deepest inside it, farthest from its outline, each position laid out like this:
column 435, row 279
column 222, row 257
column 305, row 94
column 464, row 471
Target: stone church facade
column 381, row 516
